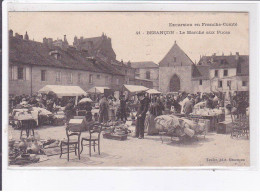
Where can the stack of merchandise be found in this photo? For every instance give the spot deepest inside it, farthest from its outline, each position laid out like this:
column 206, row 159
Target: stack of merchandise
column 59, row 118
column 25, row 151
column 116, row 130
column 178, row 127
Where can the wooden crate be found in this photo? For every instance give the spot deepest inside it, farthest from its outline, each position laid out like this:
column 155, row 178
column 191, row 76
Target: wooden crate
column 224, row 127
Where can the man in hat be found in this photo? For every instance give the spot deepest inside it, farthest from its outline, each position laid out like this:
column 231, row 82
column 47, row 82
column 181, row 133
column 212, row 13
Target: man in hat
column 122, row 108
column 141, row 114
column 103, row 110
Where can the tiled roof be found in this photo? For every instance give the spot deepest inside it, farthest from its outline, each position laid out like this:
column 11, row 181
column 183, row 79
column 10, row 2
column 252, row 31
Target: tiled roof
column 144, row 64
column 231, row 61
column 36, row 53
column 200, row 72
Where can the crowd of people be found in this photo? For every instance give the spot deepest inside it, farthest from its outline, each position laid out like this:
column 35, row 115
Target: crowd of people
column 113, row 109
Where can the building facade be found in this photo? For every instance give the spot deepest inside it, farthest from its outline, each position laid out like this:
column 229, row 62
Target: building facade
column 227, row 72
column 211, row 74
column 175, row 71
column 32, row 65
column 149, row 71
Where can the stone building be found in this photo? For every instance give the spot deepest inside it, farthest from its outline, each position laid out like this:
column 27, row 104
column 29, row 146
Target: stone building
column 212, row 73
column 175, row 71
column 32, row 65
column 147, row 70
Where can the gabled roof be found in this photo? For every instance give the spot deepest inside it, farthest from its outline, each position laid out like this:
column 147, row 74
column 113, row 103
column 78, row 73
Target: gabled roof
column 144, row 64
column 36, row 53
column 181, row 57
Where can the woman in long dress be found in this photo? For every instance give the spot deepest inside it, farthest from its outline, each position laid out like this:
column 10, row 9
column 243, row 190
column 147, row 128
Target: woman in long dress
column 152, row 114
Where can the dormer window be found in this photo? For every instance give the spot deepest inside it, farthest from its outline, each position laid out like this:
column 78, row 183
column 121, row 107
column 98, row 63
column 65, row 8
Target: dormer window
column 55, row 54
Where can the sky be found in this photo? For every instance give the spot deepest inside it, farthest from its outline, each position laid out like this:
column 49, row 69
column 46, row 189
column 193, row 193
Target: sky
column 123, row 28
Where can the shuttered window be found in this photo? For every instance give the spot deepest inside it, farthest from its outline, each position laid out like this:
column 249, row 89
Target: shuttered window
column 20, row 72
column 43, row 75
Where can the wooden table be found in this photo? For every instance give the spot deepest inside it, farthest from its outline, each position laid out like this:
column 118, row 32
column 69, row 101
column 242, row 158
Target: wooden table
column 27, row 124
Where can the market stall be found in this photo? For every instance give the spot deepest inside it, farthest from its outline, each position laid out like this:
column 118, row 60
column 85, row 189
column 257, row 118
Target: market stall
column 134, row 89
column 62, row 91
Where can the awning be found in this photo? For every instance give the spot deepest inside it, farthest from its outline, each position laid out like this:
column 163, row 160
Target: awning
column 153, row 91
column 97, row 90
column 135, row 88
column 61, row 91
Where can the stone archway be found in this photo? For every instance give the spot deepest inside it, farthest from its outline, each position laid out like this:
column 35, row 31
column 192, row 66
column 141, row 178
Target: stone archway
column 175, row 84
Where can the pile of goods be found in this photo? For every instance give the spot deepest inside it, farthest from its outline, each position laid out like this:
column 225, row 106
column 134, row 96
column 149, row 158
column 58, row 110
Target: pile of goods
column 40, row 115
column 59, row 118
column 207, row 112
column 240, row 127
column 116, row 130
column 178, row 127
column 25, row 151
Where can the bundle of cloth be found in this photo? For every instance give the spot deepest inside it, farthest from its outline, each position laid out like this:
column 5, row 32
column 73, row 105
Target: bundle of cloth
column 192, row 128
column 178, row 126
column 207, row 112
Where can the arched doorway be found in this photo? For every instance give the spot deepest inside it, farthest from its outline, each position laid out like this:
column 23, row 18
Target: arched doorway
column 175, row 84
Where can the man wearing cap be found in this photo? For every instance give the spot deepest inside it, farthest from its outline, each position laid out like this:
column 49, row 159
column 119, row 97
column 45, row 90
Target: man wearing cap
column 141, row 113
column 122, row 107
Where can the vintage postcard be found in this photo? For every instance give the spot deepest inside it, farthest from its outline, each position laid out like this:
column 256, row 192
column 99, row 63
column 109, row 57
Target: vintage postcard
column 128, row 89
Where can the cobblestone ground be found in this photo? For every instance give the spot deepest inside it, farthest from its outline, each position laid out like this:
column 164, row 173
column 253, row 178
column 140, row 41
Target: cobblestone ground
column 214, row 150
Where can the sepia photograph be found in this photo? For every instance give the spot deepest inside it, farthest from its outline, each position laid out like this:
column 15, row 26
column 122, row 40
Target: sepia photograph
column 128, row 89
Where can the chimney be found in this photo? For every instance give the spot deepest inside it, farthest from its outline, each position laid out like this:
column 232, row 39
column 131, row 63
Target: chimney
column 26, row 37
column 122, row 62
column 237, row 55
column 65, row 38
column 214, row 54
column 18, row 36
column 11, row 33
column 222, row 53
column 175, row 42
column 45, row 41
column 230, row 53
column 129, row 63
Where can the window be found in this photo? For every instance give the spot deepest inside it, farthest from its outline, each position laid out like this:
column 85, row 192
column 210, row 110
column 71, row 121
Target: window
column 201, row 82
column 98, row 76
column 58, row 76
column 43, row 75
column 225, row 72
column 90, row 79
column 20, row 72
column 216, row 73
column 14, row 73
column 148, row 75
column 228, row 83
column 70, row 78
column 174, row 59
column 244, row 83
column 79, row 78
column 220, row 84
